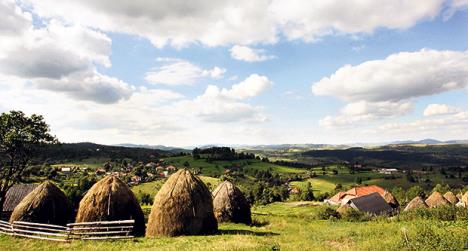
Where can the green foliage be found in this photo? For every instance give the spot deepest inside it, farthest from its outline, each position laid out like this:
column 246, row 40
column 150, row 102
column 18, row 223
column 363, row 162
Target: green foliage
column 399, row 194
column 427, row 236
column 441, row 189
column 441, row 213
column 326, row 213
column 415, row 191
column 307, row 193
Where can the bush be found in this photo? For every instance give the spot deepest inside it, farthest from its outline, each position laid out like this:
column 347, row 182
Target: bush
column 443, row 213
column 326, row 213
column 429, row 237
column 355, row 215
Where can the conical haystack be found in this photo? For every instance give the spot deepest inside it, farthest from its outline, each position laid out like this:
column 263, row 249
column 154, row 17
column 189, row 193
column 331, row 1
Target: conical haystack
column 230, row 205
column 45, row 204
column 110, row 199
column 436, row 199
column 391, row 200
column 416, row 203
column 450, row 197
column 183, row 206
column 464, row 199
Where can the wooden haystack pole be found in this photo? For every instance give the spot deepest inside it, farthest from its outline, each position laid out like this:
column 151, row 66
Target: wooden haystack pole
column 450, row 197
column 45, row 204
column 436, row 199
column 183, row 206
column 230, row 205
column 416, row 203
column 110, row 199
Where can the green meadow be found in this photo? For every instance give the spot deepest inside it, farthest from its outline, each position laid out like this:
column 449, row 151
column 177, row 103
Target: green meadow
column 288, row 226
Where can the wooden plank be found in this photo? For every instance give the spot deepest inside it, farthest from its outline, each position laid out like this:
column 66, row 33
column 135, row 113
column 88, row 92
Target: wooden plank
column 40, row 228
column 40, row 237
column 38, row 232
column 102, row 223
column 108, row 238
column 100, row 228
column 100, row 233
column 38, row 224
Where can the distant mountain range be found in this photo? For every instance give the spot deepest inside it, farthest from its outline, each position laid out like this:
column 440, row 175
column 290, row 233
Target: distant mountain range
column 279, row 147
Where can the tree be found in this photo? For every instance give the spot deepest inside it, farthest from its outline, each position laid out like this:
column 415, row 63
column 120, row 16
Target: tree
column 20, row 139
column 415, row 191
column 307, row 193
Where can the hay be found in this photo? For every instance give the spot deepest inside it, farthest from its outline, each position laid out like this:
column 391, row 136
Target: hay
column 343, row 209
column 391, row 200
column 436, row 199
column 110, row 199
column 183, row 206
column 45, row 204
column 230, row 205
column 464, row 199
column 416, row 203
column 450, row 197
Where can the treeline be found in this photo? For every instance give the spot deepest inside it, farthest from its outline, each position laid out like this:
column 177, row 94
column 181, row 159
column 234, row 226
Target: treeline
column 220, row 153
column 80, row 151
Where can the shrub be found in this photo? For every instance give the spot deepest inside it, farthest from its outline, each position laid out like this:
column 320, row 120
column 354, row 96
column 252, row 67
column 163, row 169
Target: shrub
column 443, row 213
column 325, row 213
column 429, row 237
column 355, row 215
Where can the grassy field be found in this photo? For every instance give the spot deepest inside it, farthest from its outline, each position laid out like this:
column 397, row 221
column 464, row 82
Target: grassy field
column 285, row 226
column 213, row 168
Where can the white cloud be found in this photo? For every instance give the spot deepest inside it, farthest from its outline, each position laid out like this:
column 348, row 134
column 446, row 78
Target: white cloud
column 400, row 76
column 60, row 58
column 382, row 88
column 181, row 72
column 250, row 87
column 440, row 109
column 245, row 53
column 14, row 20
column 454, row 6
column 363, row 111
column 242, row 22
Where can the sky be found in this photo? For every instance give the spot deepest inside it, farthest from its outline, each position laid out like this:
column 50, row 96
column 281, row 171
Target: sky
column 186, row 73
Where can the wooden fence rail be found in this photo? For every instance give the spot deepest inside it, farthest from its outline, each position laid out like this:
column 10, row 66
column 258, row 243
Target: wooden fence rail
column 100, row 230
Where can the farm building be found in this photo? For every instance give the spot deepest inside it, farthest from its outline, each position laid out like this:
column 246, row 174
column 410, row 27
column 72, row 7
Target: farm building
column 372, row 203
column 387, row 170
column 342, row 198
column 14, row 196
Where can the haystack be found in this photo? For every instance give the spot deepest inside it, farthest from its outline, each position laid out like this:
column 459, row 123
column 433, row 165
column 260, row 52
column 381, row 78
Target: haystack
column 464, row 199
column 416, row 203
column 45, row 204
column 450, row 197
column 436, row 199
column 230, row 205
column 391, row 200
column 110, row 199
column 183, row 206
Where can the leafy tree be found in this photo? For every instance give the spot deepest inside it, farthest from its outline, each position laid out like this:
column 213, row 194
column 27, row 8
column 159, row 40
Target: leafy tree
column 399, row 194
column 441, row 189
column 415, row 191
column 20, row 139
column 307, row 193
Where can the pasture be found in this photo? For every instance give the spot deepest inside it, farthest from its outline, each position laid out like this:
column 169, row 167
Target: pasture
column 288, row 226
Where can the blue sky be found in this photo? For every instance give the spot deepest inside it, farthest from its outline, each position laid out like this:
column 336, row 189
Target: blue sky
column 238, row 72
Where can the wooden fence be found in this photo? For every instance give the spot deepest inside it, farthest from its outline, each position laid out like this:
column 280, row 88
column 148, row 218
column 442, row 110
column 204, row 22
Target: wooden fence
column 101, row 230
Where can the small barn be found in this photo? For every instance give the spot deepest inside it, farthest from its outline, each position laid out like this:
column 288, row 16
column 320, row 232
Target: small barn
column 14, row 196
column 372, row 203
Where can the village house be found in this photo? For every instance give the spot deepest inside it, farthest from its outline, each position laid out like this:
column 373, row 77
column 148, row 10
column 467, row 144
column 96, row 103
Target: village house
column 14, row 196
column 387, row 170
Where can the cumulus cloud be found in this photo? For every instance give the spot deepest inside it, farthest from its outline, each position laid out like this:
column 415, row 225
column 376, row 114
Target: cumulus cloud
column 223, row 105
column 14, row 19
column 400, row 76
column 245, row 53
column 250, row 87
column 60, row 58
column 440, row 109
column 240, row 22
column 384, row 88
column 363, row 111
column 454, row 6
column 181, row 72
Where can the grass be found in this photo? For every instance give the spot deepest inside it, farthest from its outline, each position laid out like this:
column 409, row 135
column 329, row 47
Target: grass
column 288, row 226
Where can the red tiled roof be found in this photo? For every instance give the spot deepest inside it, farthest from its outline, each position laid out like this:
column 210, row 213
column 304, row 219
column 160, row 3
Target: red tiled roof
column 357, row 192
